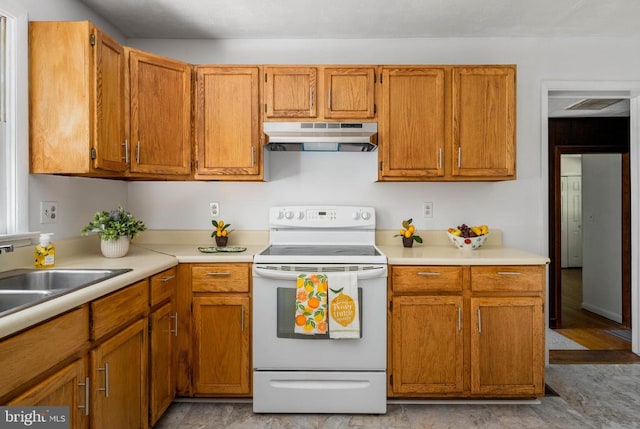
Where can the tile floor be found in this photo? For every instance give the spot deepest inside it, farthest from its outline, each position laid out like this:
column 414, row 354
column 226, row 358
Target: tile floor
column 590, row 396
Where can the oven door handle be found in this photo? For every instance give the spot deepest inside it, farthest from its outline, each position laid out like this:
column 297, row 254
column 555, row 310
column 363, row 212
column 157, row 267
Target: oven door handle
column 288, row 275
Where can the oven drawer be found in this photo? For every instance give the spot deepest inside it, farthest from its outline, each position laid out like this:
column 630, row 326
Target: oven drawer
column 220, row 278
column 319, row 392
column 423, row 279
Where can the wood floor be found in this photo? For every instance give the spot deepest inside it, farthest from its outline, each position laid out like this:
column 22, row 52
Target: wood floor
column 588, row 329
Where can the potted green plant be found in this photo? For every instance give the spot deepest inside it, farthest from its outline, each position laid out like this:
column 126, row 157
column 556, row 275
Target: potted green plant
column 408, row 234
column 116, row 229
column 221, row 232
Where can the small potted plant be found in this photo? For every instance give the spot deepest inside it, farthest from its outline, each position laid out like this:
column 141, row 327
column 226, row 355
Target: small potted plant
column 116, row 229
column 408, row 233
column 221, row 232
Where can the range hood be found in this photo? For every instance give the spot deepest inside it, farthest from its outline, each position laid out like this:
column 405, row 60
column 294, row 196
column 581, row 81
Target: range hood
column 321, row 136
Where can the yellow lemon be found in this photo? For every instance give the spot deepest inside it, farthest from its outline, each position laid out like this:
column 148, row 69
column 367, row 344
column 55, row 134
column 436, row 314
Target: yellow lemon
column 221, row 223
column 412, row 228
column 402, row 231
column 408, row 234
column 224, row 233
column 218, row 233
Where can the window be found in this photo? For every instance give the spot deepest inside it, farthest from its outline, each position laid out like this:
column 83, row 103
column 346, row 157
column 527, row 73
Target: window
column 14, row 144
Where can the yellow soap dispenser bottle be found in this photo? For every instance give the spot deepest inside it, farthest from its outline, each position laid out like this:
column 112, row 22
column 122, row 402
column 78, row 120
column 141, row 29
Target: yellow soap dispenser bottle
column 44, row 255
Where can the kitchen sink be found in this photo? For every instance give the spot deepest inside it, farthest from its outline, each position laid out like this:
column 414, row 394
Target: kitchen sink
column 23, row 288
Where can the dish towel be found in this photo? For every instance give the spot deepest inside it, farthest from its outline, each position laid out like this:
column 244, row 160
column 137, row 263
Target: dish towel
column 311, row 304
column 344, row 317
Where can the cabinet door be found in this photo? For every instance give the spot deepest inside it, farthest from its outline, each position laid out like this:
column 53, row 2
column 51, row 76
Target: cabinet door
column 76, row 100
column 160, row 96
column 221, row 345
column 67, row 387
column 507, row 346
column 109, row 103
column 119, row 380
column 427, row 351
column 350, row 92
column 290, row 92
column 484, row 121
column 228, row 123
column 413, row 123
column 162, row 326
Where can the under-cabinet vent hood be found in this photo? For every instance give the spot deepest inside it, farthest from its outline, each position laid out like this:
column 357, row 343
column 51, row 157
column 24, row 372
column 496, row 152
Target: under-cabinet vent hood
column 321, row 136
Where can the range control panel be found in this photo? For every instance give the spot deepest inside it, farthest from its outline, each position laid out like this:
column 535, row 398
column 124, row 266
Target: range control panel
column 322, row 217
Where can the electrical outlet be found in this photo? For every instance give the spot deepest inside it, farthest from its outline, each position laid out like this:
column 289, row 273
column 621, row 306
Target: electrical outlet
column 48, row 211
column 214, row 210
column 427, row 210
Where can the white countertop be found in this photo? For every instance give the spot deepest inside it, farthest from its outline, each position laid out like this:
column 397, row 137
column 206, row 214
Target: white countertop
column 450, row 255
column 151, row 256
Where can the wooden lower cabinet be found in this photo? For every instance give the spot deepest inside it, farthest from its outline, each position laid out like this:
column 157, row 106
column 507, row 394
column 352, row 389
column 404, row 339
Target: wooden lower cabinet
column 221, row 345
column 67, row 387
column 162, row 384
column 466, row 331
column 427, row 344
column 507, row 346
column 119, row 374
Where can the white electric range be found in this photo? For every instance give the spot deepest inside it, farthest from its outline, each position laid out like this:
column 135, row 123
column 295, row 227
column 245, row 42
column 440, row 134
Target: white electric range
column 295, row 373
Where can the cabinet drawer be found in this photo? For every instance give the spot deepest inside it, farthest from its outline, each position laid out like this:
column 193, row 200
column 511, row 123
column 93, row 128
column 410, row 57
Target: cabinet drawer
column 163, row 286
column 119, row 308
column 220, row 278
column 26, row 355
column 426, row 279
column 508, row 278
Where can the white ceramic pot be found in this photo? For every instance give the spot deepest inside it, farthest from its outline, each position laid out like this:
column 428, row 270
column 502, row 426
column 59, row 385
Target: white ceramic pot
column 115, row 248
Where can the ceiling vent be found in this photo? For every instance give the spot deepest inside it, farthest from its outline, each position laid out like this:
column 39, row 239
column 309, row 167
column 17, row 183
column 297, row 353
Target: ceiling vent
column 593, row 104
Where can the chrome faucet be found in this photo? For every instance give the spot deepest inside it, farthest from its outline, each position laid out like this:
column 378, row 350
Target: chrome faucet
column 6, row 248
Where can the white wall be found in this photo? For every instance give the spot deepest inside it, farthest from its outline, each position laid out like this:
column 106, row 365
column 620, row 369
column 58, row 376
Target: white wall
column 602, row 234
column 517, row 207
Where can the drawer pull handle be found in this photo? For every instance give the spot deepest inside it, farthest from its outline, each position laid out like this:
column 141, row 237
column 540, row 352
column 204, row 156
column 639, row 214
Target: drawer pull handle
column 479, row 323
column 105, row 389
column 428, row 274
column 86, row 396
column 459, row 318
column 218, row 274
column 242, row 319
column 174, row 331
column 166, row 279
column 508, row 273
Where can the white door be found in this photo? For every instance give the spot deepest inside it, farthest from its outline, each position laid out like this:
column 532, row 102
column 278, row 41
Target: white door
column 571, row 226
column 602, row 238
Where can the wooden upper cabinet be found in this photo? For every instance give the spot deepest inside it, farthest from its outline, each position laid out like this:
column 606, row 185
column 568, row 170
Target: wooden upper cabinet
column 160, row 114
column 76, row 98
column 227, row 124
column 413, row 123
column 290, row 92
column 350, row 92
column 484, row 121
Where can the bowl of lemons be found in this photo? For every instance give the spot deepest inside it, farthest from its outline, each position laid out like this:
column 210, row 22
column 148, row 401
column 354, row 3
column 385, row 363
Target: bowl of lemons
column 468, row 237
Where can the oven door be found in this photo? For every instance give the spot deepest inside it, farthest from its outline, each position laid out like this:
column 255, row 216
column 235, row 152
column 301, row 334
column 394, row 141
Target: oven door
column 277, row 347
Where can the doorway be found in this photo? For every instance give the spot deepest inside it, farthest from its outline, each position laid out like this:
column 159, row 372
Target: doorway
column 590, row 229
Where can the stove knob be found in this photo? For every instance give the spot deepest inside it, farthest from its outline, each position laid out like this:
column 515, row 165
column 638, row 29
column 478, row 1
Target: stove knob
column 288, row 214
column 300, row 215
column 280, row 214
column 366, row 215
column 355, row 215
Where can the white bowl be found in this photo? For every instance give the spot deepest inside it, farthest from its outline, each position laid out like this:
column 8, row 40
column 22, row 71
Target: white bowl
column 470, row 243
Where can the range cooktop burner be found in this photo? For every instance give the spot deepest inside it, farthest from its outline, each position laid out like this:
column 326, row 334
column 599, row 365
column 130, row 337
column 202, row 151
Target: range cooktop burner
column 320, row 250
